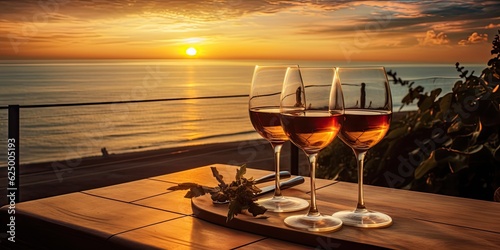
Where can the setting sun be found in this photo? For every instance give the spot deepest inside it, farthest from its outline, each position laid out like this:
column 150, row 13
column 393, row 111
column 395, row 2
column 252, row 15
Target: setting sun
column 191, row 51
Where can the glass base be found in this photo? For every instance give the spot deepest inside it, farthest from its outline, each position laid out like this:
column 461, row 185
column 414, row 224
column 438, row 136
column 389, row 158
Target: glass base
column 364, row 218
column 321, row 223
column 283, row 204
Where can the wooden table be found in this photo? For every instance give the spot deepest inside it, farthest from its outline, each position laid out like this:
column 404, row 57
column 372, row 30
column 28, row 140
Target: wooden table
column 143, row 214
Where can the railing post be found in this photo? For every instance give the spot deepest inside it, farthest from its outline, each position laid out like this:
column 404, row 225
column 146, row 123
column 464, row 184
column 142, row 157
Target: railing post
column 13, row 153
column 294, row 159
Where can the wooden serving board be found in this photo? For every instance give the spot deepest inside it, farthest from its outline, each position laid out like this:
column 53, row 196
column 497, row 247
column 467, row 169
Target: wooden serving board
column 271, row 226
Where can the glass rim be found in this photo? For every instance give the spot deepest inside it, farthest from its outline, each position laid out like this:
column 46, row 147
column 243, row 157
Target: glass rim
column 362, row 67
column 276, row 66
column 317, row 67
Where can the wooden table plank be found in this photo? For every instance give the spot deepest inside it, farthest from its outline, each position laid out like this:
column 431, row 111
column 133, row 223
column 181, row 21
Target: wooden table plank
column 406, row 232
column 203, row 175
column 59, row 220
column 183, row 233
column 280, row 244
column 457, row 211
column 131, row 191
column 171, row 202
column 92, row 214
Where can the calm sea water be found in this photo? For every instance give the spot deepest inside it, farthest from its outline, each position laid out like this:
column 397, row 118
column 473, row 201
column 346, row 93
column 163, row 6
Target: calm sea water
column 70, row 132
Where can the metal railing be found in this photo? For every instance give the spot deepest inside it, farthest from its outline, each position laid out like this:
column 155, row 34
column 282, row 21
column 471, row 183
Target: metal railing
column 14, row 127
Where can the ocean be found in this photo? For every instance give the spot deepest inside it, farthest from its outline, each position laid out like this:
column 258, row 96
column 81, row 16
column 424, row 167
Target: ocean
column 57, row 133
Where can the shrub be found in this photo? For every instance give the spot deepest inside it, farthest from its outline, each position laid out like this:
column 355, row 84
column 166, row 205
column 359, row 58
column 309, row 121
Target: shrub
column 450, row 145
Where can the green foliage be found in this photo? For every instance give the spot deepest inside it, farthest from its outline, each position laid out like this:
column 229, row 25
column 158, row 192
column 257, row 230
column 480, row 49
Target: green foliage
column 450, row 145
column 240, row 193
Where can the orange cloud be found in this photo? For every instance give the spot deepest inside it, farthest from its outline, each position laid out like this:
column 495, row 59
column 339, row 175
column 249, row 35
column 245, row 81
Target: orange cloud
column 474, row 38
column 492, row 26
column 431, row 38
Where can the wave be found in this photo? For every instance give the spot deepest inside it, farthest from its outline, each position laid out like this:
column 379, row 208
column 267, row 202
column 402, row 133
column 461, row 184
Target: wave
column 237, row 136
column 222, row 135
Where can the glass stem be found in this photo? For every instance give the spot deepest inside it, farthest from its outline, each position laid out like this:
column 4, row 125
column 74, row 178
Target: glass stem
column 277, row 151
column 313, row 209
column 360, row 157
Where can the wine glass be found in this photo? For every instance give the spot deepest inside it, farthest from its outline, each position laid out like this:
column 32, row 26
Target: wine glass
column 368, row 112
column 264, row 108
column 311, row 115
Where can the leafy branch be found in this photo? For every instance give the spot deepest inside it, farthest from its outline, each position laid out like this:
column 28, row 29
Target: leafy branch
column 449, row 145
column 240, row 193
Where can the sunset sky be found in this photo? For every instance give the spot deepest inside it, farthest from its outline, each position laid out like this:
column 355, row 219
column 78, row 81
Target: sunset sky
column 402, row 31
